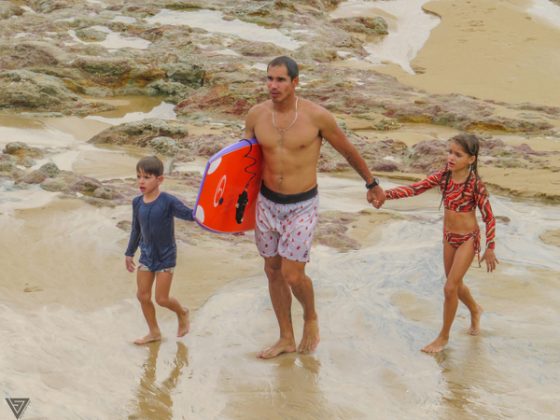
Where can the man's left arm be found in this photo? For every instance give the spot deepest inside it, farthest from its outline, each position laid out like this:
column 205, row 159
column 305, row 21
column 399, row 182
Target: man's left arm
column 331, row 132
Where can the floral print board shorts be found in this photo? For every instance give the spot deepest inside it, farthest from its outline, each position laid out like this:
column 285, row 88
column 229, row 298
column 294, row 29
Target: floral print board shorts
column 286, row 229
column 142, row 267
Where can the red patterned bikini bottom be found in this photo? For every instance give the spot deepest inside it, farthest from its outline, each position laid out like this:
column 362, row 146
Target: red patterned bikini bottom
column 458, row 239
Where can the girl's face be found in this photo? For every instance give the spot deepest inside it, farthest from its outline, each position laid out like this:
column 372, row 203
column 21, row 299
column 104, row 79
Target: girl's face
column 457, row 158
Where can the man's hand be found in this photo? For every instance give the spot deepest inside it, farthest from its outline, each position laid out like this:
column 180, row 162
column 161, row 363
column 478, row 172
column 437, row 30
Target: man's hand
column 490, row 258
column 130, row 266
column 376, row 196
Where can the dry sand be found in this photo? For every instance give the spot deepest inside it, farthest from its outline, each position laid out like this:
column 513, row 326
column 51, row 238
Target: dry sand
column 489, row 49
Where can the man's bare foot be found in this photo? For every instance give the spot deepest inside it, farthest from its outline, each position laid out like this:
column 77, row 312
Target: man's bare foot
column 475, row 321
column 436, row 346
column 150, row 338
column 184, row 323
column 281, row 346
column 310, row 338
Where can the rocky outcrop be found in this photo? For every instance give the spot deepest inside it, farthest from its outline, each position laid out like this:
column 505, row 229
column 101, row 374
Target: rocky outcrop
column 364, row 25
column 32, row 54
column 7, row 10
column 228, row 100
column 142, row 133
column 332, row 231
column 26, row 90
column 51, row 58
column 48, row 6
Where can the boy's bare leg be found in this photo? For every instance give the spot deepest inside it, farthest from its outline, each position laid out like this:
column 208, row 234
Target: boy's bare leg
column 163, row 287
column 144, row 281
column 302, row 287
column 281, row 298
column 461, row 261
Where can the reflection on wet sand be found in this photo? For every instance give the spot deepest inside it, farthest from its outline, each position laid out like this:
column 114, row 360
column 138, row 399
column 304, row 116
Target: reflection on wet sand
column 154, row 400
column 276, row 395
column 460, row 370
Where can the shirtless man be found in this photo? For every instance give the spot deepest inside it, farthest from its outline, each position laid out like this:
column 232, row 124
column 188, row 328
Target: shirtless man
column 290, row 130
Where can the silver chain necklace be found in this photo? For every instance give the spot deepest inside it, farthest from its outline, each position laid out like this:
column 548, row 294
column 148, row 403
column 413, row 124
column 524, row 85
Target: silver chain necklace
column 282, row 131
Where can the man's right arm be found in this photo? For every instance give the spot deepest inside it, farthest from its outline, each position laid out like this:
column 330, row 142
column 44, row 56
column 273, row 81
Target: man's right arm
column 335, row 136
column 250, row 122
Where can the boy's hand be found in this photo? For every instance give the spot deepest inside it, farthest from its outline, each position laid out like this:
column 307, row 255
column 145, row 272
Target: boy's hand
column 130, row 266
column 490, row 258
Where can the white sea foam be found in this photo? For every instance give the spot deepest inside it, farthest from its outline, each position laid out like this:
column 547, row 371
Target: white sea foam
column 114, row 40
column 409, row 29
column 546, row 10
column 164, row 111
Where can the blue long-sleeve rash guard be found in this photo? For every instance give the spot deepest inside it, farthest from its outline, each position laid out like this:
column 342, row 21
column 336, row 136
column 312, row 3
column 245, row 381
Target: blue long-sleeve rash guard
column 153, row 229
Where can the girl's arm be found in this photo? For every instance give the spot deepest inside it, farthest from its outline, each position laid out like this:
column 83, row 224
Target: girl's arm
column 483, row 203
column 419, row 187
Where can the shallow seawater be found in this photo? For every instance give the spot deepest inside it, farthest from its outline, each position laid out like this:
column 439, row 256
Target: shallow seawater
column 377, row 306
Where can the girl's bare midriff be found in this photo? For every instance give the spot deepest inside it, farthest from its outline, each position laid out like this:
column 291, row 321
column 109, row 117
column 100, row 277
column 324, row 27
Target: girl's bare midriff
column 460, row 222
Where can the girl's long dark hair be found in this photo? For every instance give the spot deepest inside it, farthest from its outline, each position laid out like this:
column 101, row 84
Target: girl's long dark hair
column 471, row 145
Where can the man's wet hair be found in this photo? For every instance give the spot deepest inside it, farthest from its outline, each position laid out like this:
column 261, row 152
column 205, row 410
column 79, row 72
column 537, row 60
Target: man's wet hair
column 150, row 165
column 289, row 63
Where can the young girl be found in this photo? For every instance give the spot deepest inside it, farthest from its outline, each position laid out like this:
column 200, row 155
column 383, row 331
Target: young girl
column 462, row 191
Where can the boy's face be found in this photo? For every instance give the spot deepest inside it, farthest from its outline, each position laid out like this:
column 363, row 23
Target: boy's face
column 148, row 183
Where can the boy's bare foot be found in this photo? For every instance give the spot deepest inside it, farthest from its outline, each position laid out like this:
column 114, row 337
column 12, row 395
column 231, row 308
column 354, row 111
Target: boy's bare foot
column 281, row 346
column 184, row 323
column 436, row 346
column 310, row 338
column 475, row 321
column 150, row 338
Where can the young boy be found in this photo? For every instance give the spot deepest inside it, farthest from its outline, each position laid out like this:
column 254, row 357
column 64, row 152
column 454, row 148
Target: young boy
column 153, row 215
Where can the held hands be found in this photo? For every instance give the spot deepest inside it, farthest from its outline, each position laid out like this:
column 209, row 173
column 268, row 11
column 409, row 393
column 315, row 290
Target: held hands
column 490, row 258
column 376, row 196
column 130, row 266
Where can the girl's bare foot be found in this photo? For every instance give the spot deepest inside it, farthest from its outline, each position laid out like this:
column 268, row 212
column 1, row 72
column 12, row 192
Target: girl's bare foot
column 150, row 338
column 475, row 321
column 281, row 346
column 436, row 346
column 184, row 323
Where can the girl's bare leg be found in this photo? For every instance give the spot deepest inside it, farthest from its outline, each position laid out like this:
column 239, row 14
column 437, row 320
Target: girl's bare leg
column 456, row 262
column 464, row 292
column 475, row 309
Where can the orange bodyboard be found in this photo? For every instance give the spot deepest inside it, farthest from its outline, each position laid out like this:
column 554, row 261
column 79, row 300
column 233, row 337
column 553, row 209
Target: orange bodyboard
column 229, row 188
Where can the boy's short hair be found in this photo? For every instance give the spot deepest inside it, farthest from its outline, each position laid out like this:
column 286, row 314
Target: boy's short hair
column 150, row 165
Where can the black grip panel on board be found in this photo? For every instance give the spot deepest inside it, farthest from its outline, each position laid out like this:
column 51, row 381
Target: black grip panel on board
column 242, row 201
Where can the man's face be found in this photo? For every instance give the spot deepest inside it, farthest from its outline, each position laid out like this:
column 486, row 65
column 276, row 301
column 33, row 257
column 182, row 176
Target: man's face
column 279, row 84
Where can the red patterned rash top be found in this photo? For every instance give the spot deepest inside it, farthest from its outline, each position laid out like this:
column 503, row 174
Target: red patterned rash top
column 460, row 197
